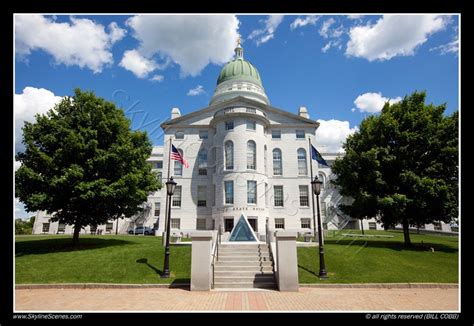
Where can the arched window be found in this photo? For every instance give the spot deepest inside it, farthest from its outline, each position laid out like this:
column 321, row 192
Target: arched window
column 251, row 155
column 322, row 178
column 277, row 162
column 202, row 162
column 229, row 155
column 178, row 166
column 265, row 159
column 302, row 167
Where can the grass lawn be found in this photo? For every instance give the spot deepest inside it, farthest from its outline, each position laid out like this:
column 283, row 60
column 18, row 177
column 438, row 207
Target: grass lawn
column 382, row 260
column 98, row 259
column 139, row 259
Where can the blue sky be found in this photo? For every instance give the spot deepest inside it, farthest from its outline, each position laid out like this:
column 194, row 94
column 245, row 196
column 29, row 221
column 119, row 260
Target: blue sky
column 342, row 68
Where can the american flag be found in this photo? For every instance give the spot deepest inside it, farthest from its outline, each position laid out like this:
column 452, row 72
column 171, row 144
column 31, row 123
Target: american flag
column 175, row 155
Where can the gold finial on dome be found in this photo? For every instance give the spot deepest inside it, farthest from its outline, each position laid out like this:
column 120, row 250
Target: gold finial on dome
column 238, row 41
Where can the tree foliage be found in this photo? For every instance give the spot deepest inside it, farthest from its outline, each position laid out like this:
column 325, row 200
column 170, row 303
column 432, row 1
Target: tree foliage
column 83, row 163
column 402, row 165
column 24, row 227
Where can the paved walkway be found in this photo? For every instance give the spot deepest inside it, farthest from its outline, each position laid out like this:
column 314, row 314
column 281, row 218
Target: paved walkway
column 307, row 299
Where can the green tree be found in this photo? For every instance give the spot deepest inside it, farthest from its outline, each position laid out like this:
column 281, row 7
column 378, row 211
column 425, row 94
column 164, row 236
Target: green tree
column 402, row 165
column 83, row 163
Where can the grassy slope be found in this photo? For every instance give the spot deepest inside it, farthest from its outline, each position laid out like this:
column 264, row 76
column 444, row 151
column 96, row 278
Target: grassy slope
column 371, row 260
column 139, row 259
column 99, row 259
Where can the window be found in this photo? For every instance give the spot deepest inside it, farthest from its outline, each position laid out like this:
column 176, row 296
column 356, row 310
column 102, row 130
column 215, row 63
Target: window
column 108, row 227
column 251, row 192
column 251, row 155
column 265, row 159
column 300, row 134
column 177, row 197
column 203, row 134
column 302, row 167
column 251, row 110
column 159, row 164
column 229, row 192
column 278, row 195
column 179, row 135
column 93, row 228
column 304, row 197
column 251, row 125
column 200, row 224
column 229, row 125
column 159, row 177
column 229, row 110
column 229, row 155
column 276, row 134
column 214, row 195
column 175, row 223
column 266, row 194
column 306, row 223
column 323, row 208
column 202, row 162
column 202, row 196
column 61, row 227
column 279, row 223
column 372, row 226
column 322, row 178
column 45, row 227
column 157, row 208
column 178, row 166
column 437, row 226
column 277, row 168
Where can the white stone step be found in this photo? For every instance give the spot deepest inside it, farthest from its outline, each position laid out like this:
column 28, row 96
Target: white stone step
column 267, row 268
column 245, row 285
column 246, row 274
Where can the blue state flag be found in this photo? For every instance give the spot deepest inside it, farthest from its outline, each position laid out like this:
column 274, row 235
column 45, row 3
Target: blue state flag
column 315, row 155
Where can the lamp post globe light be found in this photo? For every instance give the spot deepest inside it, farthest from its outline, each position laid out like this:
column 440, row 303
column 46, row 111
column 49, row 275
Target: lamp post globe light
column 170, row 186
column 316, row 186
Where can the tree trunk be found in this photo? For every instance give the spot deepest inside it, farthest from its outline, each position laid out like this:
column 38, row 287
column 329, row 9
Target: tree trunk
column 362, row 226
column 116, row 226
column 75, row 237
column 406, row 232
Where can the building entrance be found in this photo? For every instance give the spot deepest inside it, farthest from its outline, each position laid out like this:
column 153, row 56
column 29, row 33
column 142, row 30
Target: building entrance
column 228, row 224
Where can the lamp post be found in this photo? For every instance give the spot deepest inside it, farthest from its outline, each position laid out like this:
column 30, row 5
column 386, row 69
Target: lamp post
column 316, row 186
column 170, row 186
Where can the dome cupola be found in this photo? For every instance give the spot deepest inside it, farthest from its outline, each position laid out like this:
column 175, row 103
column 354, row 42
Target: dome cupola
column 239, row 78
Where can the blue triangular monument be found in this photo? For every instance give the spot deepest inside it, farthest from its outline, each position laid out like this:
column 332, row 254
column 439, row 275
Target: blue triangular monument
column 243, row 231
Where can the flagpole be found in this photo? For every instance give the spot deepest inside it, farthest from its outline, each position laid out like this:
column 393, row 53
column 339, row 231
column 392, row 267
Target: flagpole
column 168, row 204
column 311, row 188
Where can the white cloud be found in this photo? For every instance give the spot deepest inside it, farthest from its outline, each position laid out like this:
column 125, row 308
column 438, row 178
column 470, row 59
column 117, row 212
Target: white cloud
column 140, row 66
column 17, row 165
column 81, row 42
column 26, row 105
column 393, row 35
column 196, row 91
column 332, row 133
column 116, row 33
column 373, row 102
column 354, row 17
column 451, row 47
column 324, row 30
column 191, row 41
column 266, row 33
column 301, row 22
column 157, row 78
column 332, row 44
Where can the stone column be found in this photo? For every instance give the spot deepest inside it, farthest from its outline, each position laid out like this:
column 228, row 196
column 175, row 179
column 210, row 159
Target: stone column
column 201, row 260
column 287, row 261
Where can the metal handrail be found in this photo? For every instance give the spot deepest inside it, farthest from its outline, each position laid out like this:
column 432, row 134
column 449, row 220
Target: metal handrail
column 215, row 257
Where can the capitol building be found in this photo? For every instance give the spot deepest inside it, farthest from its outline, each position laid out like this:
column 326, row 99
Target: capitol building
column 245, row 157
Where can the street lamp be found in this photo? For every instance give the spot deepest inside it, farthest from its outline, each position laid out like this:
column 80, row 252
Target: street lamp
column 316, row 186
column 170, row 186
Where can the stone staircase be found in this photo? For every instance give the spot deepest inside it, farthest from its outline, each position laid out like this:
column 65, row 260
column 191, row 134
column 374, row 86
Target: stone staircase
column 244, row 266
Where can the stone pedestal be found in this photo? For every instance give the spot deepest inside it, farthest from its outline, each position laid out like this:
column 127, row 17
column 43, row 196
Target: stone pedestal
column 201, row 260
column 287, row 261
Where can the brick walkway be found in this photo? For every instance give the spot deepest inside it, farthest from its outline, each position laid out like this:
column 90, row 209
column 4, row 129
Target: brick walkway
column 307, row 299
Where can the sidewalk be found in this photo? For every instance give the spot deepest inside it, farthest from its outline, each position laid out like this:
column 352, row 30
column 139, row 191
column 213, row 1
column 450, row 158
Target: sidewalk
column 307, row 299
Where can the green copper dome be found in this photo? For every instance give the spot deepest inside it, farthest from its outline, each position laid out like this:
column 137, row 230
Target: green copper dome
column 239, row 68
